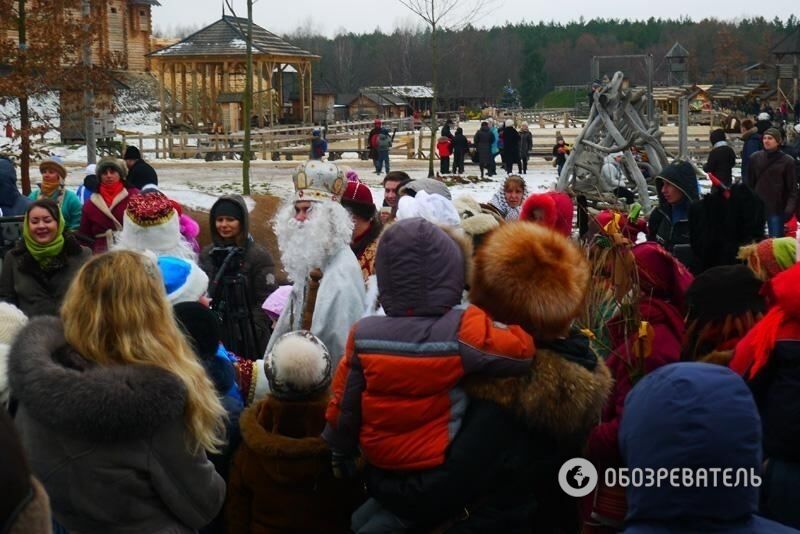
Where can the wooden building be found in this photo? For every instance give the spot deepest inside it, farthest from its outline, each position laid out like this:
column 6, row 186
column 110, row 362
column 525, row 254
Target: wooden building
column 125, row 28
column 368, row 105
column 787, row 52
column 202, row 78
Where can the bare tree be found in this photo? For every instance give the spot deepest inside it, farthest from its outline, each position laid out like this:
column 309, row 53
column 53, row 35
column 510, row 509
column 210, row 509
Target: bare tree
column 248, row 91
column 441, row 15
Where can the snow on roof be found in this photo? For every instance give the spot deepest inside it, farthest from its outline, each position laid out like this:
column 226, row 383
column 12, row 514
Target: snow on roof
column 403, row 91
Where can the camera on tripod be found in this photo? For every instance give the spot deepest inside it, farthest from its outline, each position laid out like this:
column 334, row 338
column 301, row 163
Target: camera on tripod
column 231, row 299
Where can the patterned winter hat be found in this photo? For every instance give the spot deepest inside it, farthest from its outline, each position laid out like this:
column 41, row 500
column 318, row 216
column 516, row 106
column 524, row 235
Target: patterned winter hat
column 151, row 222
column 770, row 257
column 298, row 366
column 318, row 180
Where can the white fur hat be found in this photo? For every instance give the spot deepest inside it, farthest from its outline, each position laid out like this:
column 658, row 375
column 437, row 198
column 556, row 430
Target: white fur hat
column 12, row 320
column 763, row 116
column 797, row 127
column 433, row 208
column 298, row 366
column 509, row 122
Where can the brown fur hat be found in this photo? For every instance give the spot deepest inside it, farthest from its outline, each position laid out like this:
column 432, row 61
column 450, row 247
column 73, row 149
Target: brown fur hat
column 530, row 275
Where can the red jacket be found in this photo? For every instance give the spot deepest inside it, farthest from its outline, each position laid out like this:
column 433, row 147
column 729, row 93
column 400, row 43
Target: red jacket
column 444, row 147
column 95, row 223
column 395, row 391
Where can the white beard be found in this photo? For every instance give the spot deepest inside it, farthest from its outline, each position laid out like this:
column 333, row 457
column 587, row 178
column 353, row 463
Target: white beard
column 309, row 244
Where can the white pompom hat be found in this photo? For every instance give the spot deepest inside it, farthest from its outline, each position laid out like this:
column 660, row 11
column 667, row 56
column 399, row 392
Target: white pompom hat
column 298, row 366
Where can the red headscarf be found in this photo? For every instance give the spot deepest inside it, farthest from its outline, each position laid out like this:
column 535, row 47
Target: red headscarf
column 661, row 275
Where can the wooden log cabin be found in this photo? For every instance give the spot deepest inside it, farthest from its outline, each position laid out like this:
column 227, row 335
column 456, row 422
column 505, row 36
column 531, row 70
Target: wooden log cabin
column 124, row 35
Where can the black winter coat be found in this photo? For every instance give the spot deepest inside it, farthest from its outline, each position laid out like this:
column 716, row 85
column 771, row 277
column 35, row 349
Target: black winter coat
column 525, row 144
column 511, row 145
column 446, row 132
column 24, row 284
column 721, row 161
column 483, row 141
column 257, row 266
column 719, row 226
column 775, row 389
column 141, row 174
column 460, row 144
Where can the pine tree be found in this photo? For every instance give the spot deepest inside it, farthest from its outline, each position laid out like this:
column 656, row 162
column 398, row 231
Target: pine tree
column 533, row 77
column 509, row 98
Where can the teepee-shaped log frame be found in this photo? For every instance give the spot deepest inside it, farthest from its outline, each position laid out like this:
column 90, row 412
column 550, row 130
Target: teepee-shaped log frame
column 616, row 123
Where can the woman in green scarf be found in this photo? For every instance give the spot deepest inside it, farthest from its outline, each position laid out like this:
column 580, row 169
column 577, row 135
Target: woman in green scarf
column 38, row 270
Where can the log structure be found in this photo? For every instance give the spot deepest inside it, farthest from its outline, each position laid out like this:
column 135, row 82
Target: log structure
column 202, row 78
column 616, row 124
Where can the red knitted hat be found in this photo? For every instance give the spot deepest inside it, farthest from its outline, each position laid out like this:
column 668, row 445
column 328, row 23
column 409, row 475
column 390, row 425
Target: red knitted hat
column 357, row 197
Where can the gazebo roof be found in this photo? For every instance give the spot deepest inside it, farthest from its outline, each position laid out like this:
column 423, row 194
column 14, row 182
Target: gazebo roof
column 677, row 51
column 788, row 45
column 226, row 37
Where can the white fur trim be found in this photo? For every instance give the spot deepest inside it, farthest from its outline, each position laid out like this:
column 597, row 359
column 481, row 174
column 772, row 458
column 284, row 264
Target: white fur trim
column 12, row 320
column 195, row 286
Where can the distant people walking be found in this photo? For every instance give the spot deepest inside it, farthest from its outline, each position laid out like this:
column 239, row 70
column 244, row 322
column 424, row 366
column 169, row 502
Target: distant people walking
column 560, row 153
column 751, row 139
column 483, row 142
column 444, row 147
column 372, row 141
column 319, row 146
column 511, row 144
column 525, row 146
column 384, row 145
column 460, row 149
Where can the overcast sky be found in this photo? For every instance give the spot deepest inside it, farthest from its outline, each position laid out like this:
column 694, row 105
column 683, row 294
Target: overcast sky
column 359, row 16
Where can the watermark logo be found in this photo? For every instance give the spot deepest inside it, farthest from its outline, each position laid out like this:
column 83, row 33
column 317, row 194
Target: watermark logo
column 577, row 477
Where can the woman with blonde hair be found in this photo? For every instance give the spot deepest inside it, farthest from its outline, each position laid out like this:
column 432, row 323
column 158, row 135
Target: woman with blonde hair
column 115, row 412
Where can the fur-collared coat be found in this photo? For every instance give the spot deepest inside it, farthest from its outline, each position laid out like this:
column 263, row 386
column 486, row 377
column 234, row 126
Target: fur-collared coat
column 281, row 479
column 33, row 290
column 96, row 226
column 503, row 465
column 109, row 443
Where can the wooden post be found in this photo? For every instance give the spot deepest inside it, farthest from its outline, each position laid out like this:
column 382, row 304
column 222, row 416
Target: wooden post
column 213, row 102
column 301, row 70
column 280, row 91
column 310, row 95
column 174, row 86
column 683, row 128
column 270, row 68
column 195, row 97
column 204, row 92
column 161, row 94
column 184, row 93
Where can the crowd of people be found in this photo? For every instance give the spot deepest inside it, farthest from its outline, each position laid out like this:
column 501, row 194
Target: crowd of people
column 429, row 366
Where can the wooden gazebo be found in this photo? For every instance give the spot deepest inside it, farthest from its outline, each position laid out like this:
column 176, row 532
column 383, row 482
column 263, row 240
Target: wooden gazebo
column 202, row 77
